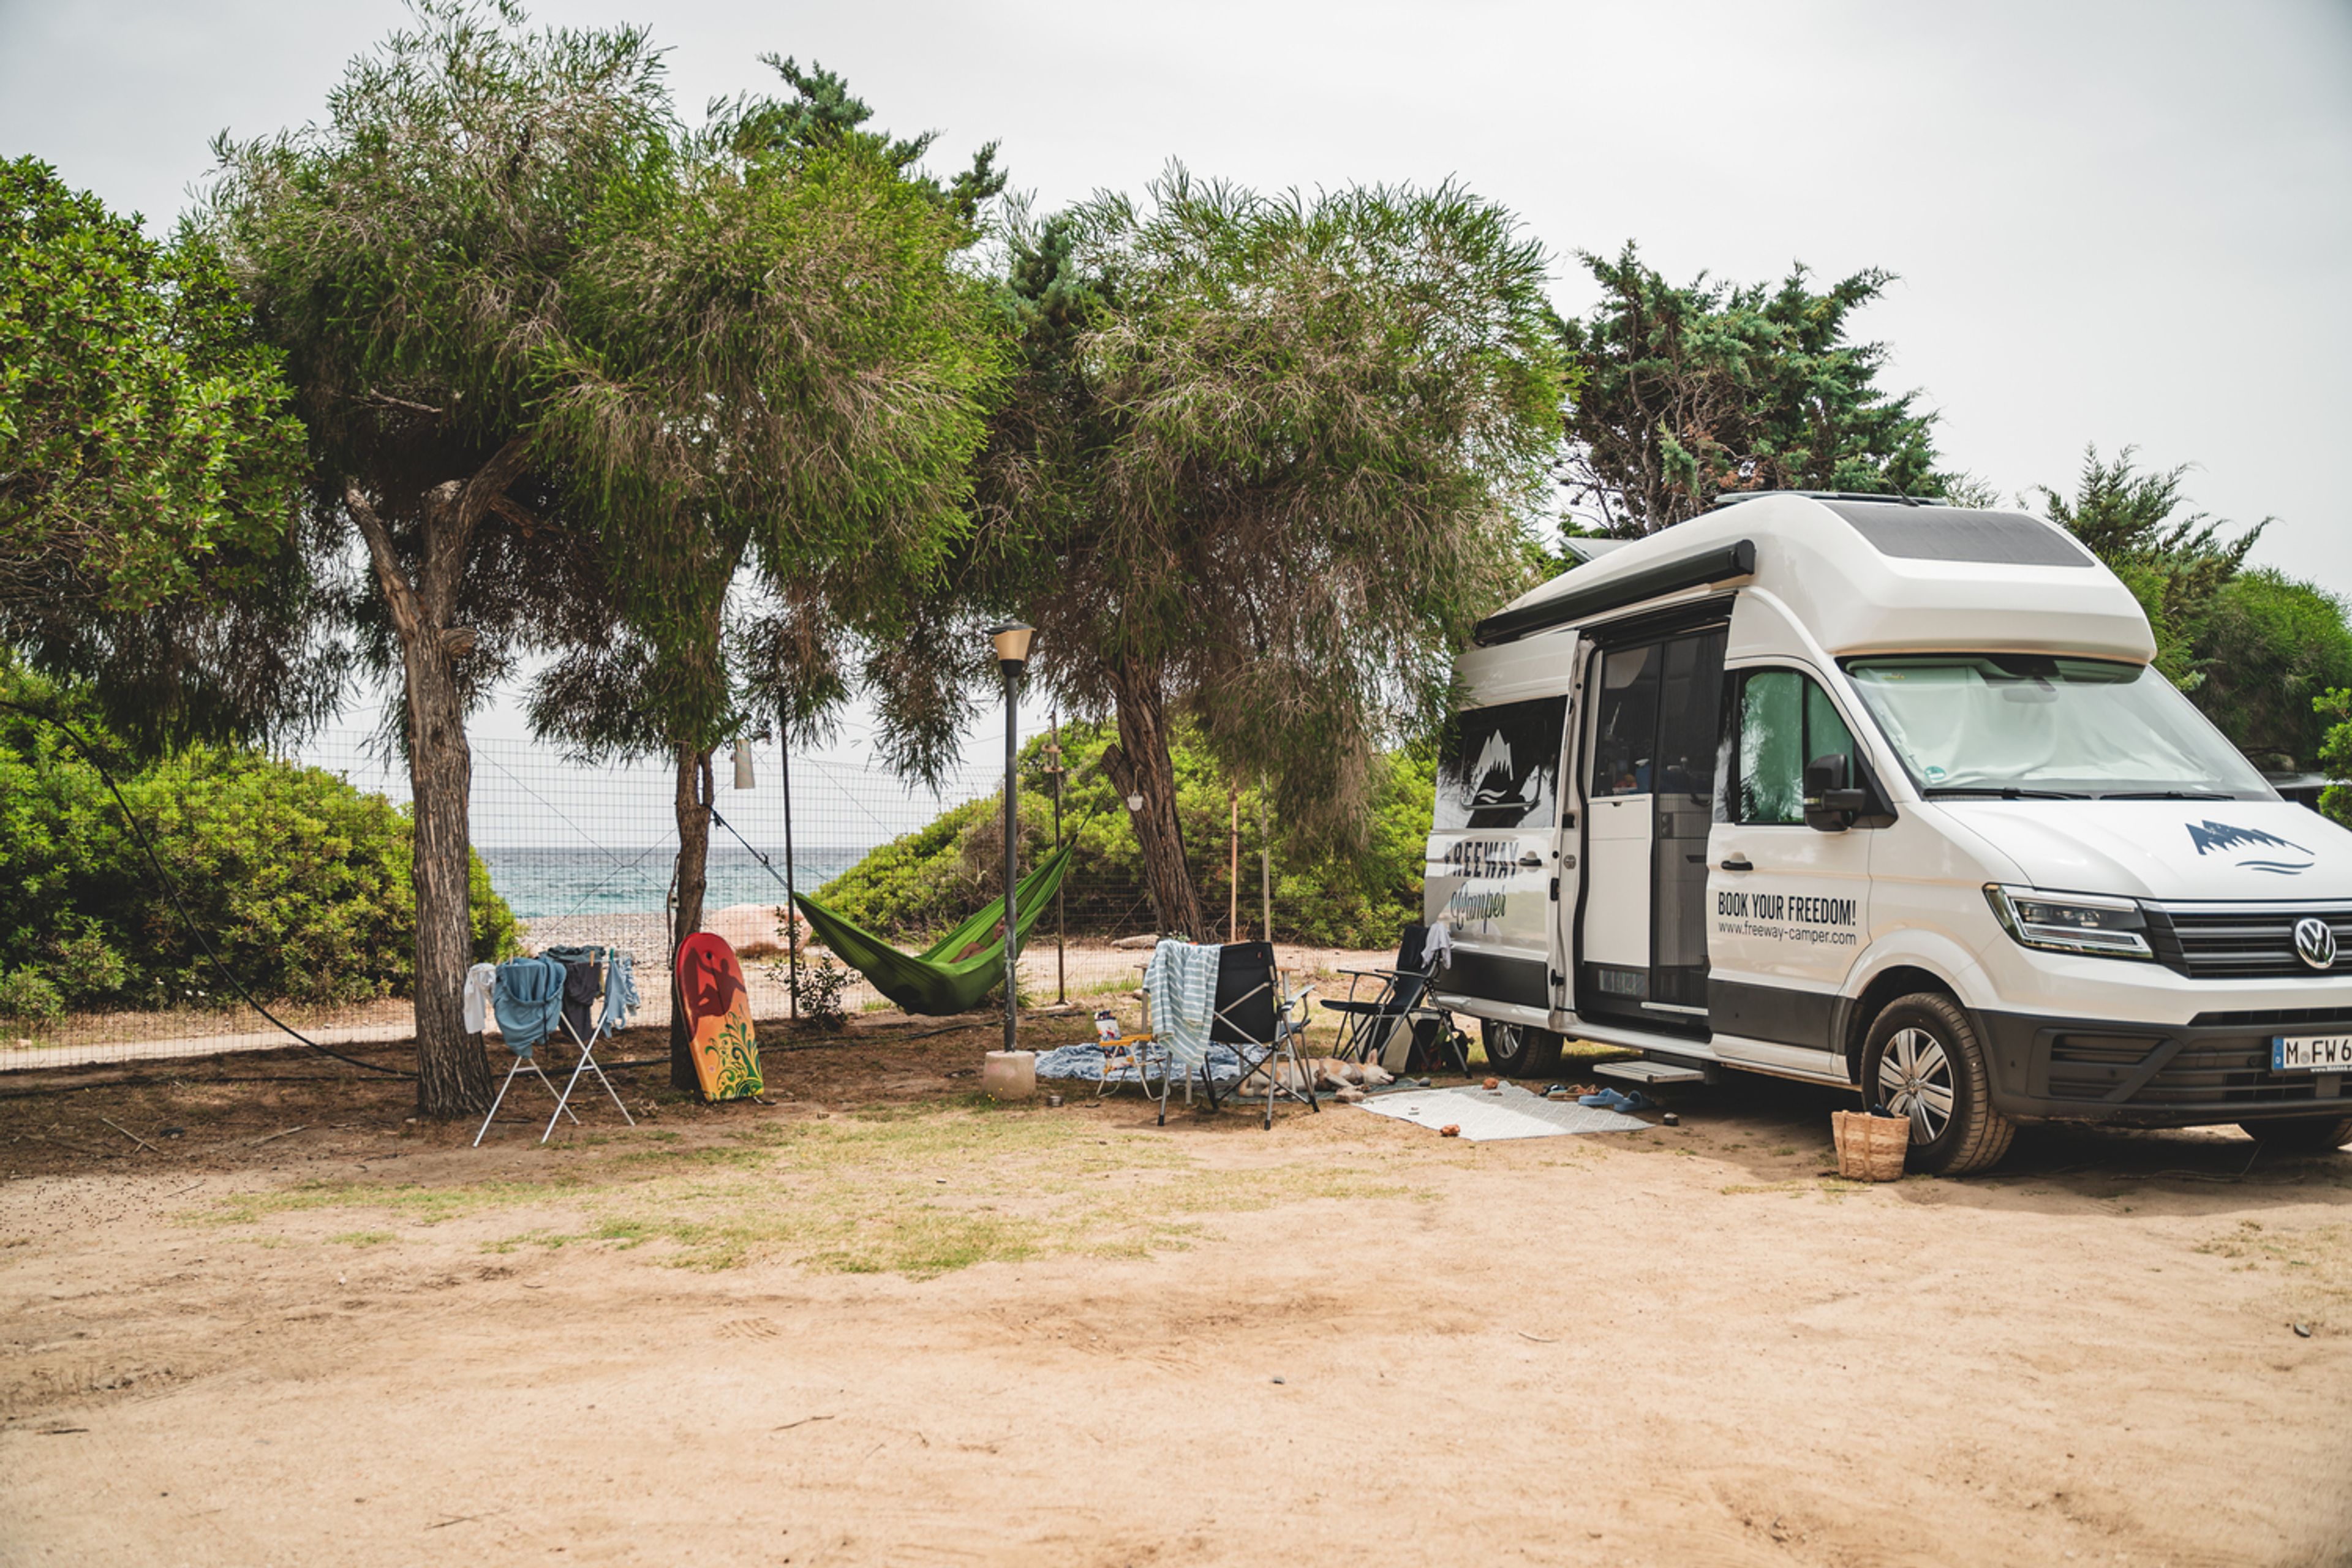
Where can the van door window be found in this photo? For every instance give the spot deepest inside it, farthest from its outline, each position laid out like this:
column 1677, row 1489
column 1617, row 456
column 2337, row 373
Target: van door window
column 1499, row 767
column 1625, row 729
column 1785, row 720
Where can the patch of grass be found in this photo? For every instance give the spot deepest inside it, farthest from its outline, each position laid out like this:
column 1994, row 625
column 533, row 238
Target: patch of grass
column 919, row 1191
column 423, row 1204
column 365, row 1238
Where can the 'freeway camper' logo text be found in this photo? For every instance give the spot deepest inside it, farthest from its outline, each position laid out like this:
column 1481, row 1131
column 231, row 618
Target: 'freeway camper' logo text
column 2255, row 849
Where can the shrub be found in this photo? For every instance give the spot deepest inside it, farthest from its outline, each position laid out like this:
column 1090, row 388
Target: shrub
column 2270, row 651
column 300, row 882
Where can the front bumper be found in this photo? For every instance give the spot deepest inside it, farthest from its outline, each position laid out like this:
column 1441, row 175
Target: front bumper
column 2214, row 1069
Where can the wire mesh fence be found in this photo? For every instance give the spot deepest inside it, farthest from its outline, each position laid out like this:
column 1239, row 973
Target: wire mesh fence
column 579, row 854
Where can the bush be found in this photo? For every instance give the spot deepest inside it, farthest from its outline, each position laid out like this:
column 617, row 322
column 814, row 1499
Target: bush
column 916, row 886
column 2269, row 651
column 300, row 882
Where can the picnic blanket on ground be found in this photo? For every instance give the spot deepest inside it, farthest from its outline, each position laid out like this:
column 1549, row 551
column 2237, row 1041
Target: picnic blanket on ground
column 1508, row 1111
column 1085, row 1061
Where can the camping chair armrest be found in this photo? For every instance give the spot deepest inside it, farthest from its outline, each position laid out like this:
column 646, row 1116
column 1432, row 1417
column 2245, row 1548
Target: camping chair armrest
column 1387, row 973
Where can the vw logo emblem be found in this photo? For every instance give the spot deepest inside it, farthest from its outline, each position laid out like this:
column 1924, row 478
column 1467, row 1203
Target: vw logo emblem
column 2314, row 943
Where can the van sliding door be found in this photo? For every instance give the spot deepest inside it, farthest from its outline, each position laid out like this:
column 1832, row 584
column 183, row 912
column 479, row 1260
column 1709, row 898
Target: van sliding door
column 1656, row 727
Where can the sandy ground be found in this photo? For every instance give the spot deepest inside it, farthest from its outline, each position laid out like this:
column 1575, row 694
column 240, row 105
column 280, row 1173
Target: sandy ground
column 881, row 1321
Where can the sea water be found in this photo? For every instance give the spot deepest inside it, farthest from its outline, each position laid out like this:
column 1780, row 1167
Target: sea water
column 541, row 883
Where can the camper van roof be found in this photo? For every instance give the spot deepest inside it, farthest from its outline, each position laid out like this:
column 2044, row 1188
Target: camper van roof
column 1865, row 574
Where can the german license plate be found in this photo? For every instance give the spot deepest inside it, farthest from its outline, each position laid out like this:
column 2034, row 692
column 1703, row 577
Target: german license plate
column 2311, row 1053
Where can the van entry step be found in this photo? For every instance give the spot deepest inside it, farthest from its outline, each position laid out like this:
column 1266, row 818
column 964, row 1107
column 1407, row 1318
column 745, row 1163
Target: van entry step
column 1654, row 1072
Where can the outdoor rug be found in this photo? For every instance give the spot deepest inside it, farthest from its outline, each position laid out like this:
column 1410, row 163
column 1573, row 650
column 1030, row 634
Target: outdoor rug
column 1488, row 1114
column 1084, row 1062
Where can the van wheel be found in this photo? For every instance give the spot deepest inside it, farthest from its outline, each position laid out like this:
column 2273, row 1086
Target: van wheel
column 1921, row 1060
column 1515, row 1050
column 2300, row 1134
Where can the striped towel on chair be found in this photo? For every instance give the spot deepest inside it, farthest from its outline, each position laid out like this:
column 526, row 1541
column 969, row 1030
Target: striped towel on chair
column 1182, row 980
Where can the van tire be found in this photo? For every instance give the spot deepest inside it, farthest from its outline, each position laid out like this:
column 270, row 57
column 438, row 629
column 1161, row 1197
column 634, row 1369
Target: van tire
column 1930, row 1036
column 1515, row 1050
column 2300, row 1134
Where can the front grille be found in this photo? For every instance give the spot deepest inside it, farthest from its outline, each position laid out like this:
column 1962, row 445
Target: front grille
column 2087, row 1067
column 2243, row 941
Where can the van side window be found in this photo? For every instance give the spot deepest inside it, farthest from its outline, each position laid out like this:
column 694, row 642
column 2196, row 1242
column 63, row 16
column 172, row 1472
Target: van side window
column 1625, row 732
column 1499, row 767
column 1785, row 720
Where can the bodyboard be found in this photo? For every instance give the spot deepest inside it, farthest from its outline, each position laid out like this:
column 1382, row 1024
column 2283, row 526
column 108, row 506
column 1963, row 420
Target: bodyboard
column 725, row 1048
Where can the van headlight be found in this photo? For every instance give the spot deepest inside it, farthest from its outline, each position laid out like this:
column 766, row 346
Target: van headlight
column 2071, row 922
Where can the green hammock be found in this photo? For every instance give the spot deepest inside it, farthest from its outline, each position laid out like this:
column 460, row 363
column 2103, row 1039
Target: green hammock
column 934, row 981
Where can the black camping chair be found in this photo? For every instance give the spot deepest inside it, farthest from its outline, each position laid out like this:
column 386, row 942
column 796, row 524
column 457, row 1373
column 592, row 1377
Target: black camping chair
column 1254, row 1016
column 1388, row 1020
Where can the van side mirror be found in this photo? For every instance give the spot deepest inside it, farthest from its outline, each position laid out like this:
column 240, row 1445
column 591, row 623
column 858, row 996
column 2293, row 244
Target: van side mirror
column 1832, row 804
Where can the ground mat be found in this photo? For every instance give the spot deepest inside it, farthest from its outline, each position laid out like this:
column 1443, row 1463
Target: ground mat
column 1489, row 1114
column 1085, row 1061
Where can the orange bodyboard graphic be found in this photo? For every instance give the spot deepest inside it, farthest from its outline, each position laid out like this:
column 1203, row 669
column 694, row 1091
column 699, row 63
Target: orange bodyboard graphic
column 718, row 1010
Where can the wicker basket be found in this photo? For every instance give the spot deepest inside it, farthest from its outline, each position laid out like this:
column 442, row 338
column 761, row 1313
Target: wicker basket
column 1870, row 1147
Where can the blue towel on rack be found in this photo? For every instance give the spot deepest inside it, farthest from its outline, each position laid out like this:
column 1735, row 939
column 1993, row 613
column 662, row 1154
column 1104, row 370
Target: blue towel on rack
column 620, row 993
column 528, row 1002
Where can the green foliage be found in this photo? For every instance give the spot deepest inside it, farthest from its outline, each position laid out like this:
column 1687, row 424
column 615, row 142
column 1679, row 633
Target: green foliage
column 1261, row 464
column 150, row 473
column 2270, row 649
column 300, row 882
column 1686, row 393
column 2175, row 566
column 2257, row 651
column 916, row 885
column 2334, row 709
column 821, row 983
column 141, row 428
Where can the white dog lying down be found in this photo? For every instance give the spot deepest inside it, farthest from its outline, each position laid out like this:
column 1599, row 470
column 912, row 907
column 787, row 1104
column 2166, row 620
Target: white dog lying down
column 1329, row 1074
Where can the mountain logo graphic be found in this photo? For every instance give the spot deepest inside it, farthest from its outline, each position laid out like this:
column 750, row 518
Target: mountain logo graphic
column 1495, row 779
column 2256, row 850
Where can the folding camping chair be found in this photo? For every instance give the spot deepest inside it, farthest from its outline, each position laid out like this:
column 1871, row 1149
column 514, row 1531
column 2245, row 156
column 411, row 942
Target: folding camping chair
column 1385, row 1023
column 1245, row 1010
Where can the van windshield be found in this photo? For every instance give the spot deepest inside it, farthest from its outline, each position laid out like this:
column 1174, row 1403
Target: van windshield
column 1996, row 724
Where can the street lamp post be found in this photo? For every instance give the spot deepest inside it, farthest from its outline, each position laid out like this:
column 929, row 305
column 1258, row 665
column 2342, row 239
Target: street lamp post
column 1011, row 641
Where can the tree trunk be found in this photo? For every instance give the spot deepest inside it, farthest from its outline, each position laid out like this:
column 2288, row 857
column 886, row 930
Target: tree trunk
column 694, row 800
column 1140, row 765
column 453, row 1074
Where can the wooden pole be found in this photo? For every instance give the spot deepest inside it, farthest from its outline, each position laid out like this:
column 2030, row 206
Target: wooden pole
column 1264, row 864
column 792, row 910
column 1234, row 858
column 1054, row 770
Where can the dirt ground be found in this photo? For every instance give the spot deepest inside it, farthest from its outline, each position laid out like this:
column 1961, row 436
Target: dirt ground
column 881, row 1320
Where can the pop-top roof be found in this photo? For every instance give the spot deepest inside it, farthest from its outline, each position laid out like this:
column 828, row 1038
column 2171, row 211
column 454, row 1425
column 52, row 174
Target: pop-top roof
column 1866, row 575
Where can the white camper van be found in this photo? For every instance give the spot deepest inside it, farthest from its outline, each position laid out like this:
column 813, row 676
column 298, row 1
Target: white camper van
column 1868, row 792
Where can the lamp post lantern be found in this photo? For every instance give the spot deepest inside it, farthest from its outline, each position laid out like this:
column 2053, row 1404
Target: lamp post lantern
column 1012, row 642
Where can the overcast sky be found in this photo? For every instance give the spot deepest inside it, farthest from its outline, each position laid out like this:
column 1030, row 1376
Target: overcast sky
column 2119, row 223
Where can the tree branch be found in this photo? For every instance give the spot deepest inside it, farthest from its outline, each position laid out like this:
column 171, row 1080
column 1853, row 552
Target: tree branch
column 399, row 593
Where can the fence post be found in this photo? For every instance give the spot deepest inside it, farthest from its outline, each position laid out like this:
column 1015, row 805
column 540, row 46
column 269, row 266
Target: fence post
column 1264, row 863
column 1053, row 771
column 791, row 910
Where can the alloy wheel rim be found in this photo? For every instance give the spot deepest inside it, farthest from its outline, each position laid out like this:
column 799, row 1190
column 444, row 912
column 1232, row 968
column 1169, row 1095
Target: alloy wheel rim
column 1506, row 1044
column 1914, row 1079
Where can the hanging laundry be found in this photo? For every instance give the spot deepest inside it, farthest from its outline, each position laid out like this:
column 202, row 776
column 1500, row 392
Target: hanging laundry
column 529, row 1000
column 620, row 993
column 481, row 982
